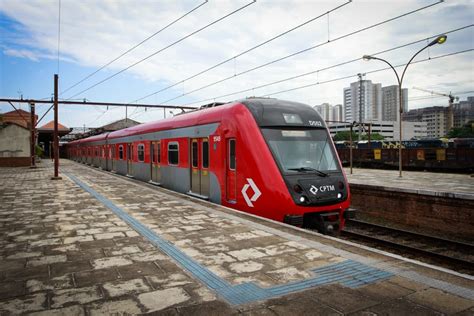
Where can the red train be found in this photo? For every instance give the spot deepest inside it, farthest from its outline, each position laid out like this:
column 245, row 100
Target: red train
column 268, row 157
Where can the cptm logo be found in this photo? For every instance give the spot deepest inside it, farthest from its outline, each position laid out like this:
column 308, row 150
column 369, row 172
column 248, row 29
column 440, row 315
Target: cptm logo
column 256, row 192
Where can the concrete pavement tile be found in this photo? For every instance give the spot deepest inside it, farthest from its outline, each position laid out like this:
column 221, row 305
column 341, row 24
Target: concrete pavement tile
column 24, row 255
column 208, row 308
column 75, row 310
column 303, row 305
column 122, row 307
column 139, row 269
column 71, row 240
column 11, row 289
column 467, row 312
column 93, row 244
column 37, row 285
column 82, row 295
column 28, row 273
column 109, row 235
column 6, row 265
column 88, row 254
column 46, row 260
column 161, row 299
column 148, row 256
column 122, row 287
column 383, row 290
column 88, row 278
column 117, row 251
column 400, row 306
column 25, row 304
column 440, row 301
column 166, row 281
column 344, row 299
column 62, row 268
column 108, row 262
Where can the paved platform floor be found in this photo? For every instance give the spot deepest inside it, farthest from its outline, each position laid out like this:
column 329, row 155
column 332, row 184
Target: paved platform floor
column 96, row 243
column 431, row 183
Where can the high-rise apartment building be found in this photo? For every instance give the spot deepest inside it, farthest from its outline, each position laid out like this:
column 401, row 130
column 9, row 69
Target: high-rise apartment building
column 330, row 112
column 391, row 103
column 363, row 101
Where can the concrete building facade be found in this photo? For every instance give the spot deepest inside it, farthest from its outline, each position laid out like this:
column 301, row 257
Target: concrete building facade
column 388, row 129
column 391, row 102
column 363, row 101
column 14, row 145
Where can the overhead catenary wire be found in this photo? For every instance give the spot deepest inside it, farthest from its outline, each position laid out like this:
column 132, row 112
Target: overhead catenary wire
column 332, row 80
column 245, row 51
column 135, row 46
column 326, row 68
column 304, row 50
column 163, row 49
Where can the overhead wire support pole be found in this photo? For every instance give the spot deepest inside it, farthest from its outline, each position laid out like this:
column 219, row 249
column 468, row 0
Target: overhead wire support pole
column 55, row 134
column 32, row 136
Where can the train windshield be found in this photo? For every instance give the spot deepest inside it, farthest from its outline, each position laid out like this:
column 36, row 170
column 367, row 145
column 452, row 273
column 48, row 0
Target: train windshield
column 301, row 150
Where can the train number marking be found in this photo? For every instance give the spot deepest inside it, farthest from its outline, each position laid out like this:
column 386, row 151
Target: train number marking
column 256, row 192
column 315, row 123
column 216, row 139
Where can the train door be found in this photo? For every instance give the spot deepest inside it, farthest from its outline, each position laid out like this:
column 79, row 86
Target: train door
column 155, row 162
column 200, row 167
column 129, row 159
column 231, row 167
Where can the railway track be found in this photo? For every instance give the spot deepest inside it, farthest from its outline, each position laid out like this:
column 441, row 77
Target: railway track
column 448, row 253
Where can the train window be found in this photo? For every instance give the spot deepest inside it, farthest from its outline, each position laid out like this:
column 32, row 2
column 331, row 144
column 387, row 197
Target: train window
column 195, row 154
column 141, row 152
column 152, row 152
column 158, row 156
column 232, row 154
column 205, row 154
column 173, row 153
column 121, row 152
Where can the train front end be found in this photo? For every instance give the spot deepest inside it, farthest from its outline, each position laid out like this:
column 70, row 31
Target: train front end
column 302, row 148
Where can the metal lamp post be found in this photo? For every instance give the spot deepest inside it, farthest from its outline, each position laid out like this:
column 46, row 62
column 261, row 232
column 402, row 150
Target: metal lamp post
column 439, row 40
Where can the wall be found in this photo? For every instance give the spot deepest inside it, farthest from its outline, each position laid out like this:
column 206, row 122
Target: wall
column 14, row 141
column 446, row 215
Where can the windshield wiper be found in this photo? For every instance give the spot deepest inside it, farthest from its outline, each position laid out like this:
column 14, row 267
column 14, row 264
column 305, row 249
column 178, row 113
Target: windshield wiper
column 320, row 173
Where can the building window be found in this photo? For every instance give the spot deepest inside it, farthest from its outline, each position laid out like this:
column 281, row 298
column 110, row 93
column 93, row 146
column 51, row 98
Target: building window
column 121, row 152
column 173, row 153
column 141, row 152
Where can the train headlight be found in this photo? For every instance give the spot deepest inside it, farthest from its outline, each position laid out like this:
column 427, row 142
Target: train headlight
column 339, row 195
column 303, row 199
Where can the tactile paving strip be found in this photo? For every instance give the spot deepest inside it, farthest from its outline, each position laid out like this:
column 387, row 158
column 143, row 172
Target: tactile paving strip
column 348, row 273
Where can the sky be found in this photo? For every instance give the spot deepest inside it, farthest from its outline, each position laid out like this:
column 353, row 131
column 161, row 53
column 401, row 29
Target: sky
column 74, row 39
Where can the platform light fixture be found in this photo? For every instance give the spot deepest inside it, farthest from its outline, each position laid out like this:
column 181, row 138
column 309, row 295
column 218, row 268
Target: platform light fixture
column 439, row 40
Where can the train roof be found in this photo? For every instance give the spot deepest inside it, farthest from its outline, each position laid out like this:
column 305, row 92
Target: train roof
column 266, row 111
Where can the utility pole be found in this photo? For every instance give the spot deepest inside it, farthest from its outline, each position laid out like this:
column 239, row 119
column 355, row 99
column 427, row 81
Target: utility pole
column 126, row 113
column 360, row 106
column 55, row 134
column 32, row 135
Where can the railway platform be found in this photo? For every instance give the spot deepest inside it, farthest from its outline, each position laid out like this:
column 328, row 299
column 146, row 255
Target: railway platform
column 459, row 186
column 97, row 243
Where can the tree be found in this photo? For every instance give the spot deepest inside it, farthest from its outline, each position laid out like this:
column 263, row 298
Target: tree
column 373, row 136
column 467, row 131
column 344, row 135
